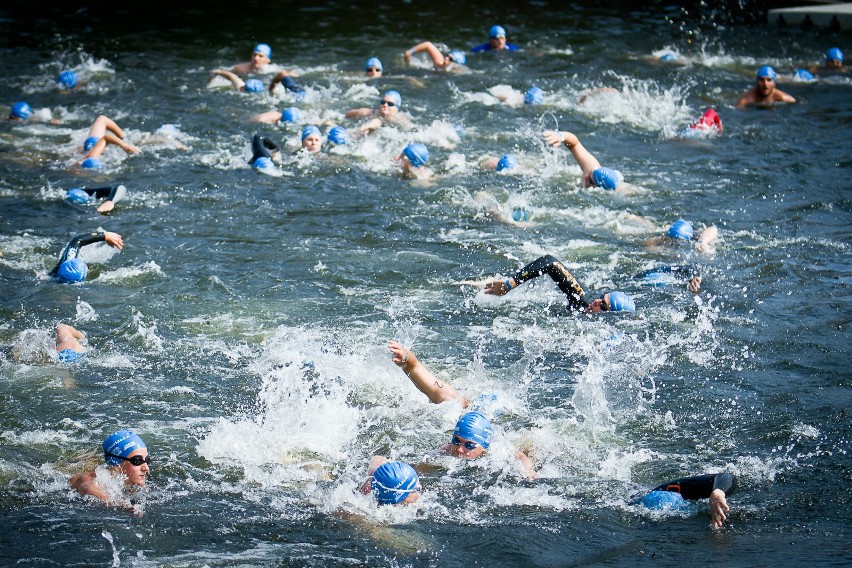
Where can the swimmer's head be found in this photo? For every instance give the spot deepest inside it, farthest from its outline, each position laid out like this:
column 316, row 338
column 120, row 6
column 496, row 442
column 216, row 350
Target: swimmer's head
column 663, row 501
column 67, row 80
column 607, row 178
column 90, row 143
column 393, row 482
column 73, row 270
column 290, row 114
column 253, row 86
column 496, row 32
column 373, row 68
column 417, row 154
column 394, row 96
column 337, row 135
column 507, row 163
column 520, row 215
column 21, row 111
column 766, row 72
column 534, row 96
column 78, row 197
column 681, row 229
column 457, row 56
column 834, row 57
column 264, row 51
column 92, row 164
column 621, row 302
column 263, row 163
column 668, row 57
column 120, row 445
column 311, row 138
column 803, row 75
column 475, row 427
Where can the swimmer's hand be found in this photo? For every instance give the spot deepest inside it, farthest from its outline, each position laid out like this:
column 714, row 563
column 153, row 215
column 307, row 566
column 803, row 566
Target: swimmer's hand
column 114, row 240
column 552, row 138
column 498, row 287
column 106, row 206
column 402, row 357
column 718, row 508
column 694, row 284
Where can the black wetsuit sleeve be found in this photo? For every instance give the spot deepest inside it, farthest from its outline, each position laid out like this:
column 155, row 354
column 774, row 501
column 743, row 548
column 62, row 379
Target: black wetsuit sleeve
column 292, row 85
column 551, row 266
column 701, row 486
column 72, row 249
column 101, row 192
column 262, row 147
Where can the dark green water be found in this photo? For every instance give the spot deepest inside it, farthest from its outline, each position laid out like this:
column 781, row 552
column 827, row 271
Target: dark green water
column 242, row 330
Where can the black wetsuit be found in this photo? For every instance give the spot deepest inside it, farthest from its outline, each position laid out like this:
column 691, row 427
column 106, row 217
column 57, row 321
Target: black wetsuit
column 292, row 85
column 72, row 249
column 262, row 147
column 105, row 193
column 701, row 486
column 551, row 266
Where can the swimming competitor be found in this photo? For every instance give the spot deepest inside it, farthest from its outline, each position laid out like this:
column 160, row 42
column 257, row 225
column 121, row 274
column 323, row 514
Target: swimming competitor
column 247, row 86
column 709, row 122
column 126, row 457
column 68, row 346
column 577, row 302
column 263, row 151
column 453, row 61
column 833, row 63
column 472, row 434
column 682, row 231
column 260, row 58
column 716, row 487
column 496, row 41
column 337, row 136
column 413, row 161
column 507, row 163
column 373, row 68
column 68, row 81
column 104, row 131
column 391, row 482
column 593, row 174
column 70, row 267
column 85, row 195
column 22, row 111
column 764, row 92
column 288, row 115
column 289, row 83
column 387, row 113
column 311, row 139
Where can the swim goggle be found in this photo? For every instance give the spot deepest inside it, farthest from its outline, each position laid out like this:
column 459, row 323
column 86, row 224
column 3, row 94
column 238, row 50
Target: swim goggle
column 135, row 460
column 456, row 441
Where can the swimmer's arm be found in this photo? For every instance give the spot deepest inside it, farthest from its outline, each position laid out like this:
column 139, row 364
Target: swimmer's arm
column 430, row 49
column 783, row 97
column 235, row 81
column 85, row 484
column 370, row 126
column 114, row 240
column 241, row 68
column 111, row 139
column 286, row 79
column 436, row 390
column 526, row 462
column 358, row 113
column 707, row 237
column 271, row 117
column 747, row 98
column 587, row 162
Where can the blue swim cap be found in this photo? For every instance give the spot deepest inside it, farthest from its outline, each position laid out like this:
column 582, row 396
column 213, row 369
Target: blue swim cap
column 834, row 54
column 681, row 229
column 73, row 270
column 67, row 80
column 803, row 75
column 290, row 114
column 122, row 443
column 534, row 96
column 621, row 302
column 394, row 481
column 263, row 49
column 458, row 56
column 766, row 71
column 496, row 31
column 668, row 57
column 664, row 501
column 476, row 427
column 92, row 164
column 90, row 143
column 417, row 154
column 310, row 129
column 337, row 135
column 607, row 178
column 373, row 62
column 77, row 196
column 507, row 162
column 397, row 98
column 519, row 214
column 21, row 110
column 69, row 356
column 263, row 163
column 253, row 86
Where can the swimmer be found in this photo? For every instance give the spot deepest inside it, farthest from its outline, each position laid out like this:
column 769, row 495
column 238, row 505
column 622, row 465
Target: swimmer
column 507, row 164
column 289, row 83
column 496, row 41
column 764, row 92
column 247, row 86
column 311, row 139
column 577, row 302
column 126, row 457
column 70, row 267
column 288, row 115
column 337, row 136
column 260, row 58
column 833, row 63
column 21, row 112
column 104, row 131
column 68, row 347
column 264, row 149
column 533, row 96
column 391, row 482
column 453, row 61
column 663, row 275
column 85, row 195
column 387, row 113
column 373, row 68
column 472, row 434
column 682, row 231
column 586, row 95
column 593, row 174
column 671, row 495
column 709, row 122
column 68, row 81
column 413, row 161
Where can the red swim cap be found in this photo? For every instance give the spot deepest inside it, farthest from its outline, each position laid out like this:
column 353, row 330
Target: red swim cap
column 708, row 120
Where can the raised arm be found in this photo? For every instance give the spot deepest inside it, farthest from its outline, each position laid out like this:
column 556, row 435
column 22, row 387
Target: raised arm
column 707, row 237
column 587, row 162
column 434, row 54
column 437, row 390
column 230, row 76
column 551, row 266
column 285, row 79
